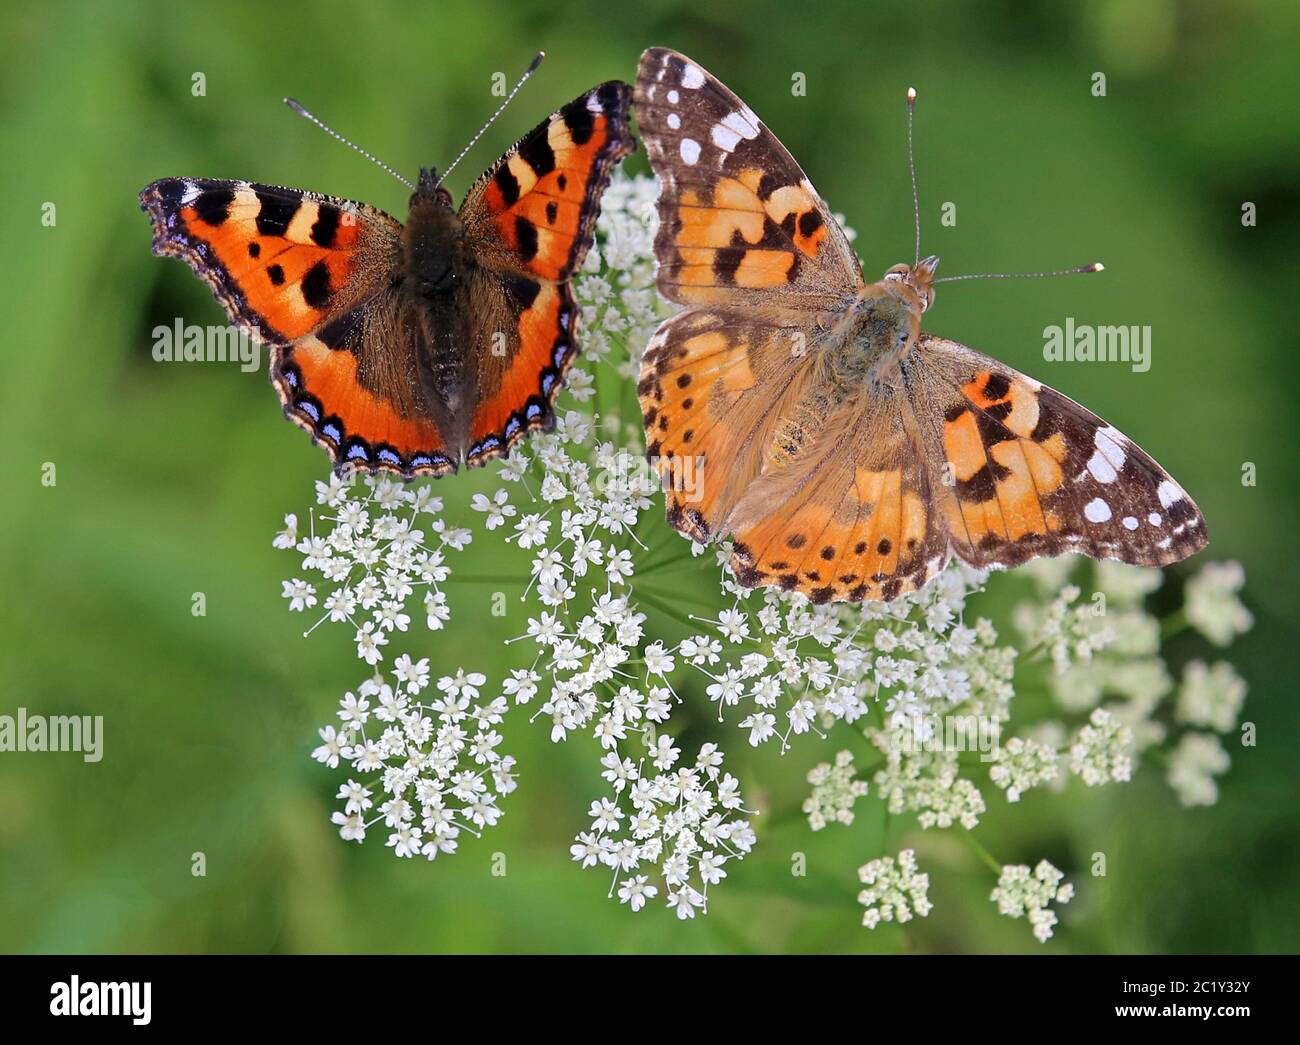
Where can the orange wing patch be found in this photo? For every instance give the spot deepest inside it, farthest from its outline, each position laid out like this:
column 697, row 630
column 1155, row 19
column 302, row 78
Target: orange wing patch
column 540, row 202
column 1003, row 466
column 713, row 389
column 322, row 392
column 843, row 531
column 275, row 258
column 519, row 394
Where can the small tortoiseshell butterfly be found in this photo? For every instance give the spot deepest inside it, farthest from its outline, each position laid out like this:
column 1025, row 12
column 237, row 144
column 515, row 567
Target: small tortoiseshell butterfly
column 847, row 453
column 408, row 349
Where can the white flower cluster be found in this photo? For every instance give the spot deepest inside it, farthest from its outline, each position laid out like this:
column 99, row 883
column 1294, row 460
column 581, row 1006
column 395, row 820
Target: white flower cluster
column 835, row 789
column 1101, row 751
column 1193, row 765
column 894, row 890
column 434, row 762
column 684, row 822
column 1211, row 696
column 1069, row 633
column 1212, row 604
column 374, row 557
column 1019, row 893
column 1022, row 763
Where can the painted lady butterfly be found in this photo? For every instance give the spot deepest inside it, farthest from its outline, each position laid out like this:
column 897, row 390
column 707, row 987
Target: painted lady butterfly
column 409, row 349
column 847, row 453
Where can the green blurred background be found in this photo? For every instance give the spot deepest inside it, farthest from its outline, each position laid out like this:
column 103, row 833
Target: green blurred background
column 172, row 479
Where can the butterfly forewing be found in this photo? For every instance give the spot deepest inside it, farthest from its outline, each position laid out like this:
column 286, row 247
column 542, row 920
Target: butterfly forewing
column 739, row 222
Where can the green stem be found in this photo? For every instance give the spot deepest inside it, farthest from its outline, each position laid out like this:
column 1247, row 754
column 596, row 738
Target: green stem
column 1173, row 624
column 982, row 853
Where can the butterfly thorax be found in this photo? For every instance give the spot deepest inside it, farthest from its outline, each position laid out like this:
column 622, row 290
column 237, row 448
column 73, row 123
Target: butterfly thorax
column 434, row 246
column 878, row 328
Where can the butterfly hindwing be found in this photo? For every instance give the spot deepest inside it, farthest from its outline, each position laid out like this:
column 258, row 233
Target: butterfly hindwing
column 739, row 221
column 1026, row 471
column 713, row 387
column 851, row 516
column 309, row 276
column 529, row 221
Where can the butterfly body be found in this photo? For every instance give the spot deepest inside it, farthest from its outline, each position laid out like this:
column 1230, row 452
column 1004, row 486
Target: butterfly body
column 411, row 349
column 847, row 453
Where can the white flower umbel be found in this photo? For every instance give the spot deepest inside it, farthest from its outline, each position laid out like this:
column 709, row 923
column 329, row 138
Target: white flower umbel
column 377, row 551
column 683, row 825
column 1020, row 893
column 1022, row 763
column 425, row 767
column 1211, row 602
column 1102, row 750
column 835, row 789
column 894, row 891
column 1211, row 696
column 1193, row 765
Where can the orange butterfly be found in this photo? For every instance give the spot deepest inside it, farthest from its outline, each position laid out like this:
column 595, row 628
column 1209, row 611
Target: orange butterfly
column 409, row 349
column 847, row 453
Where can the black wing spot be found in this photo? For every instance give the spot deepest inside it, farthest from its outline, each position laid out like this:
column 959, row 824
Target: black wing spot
column 213, row 205
column 526, row 235
column 276, row 274
column 579, row 120
column 316, row 285
column 325, row 226
column 275, row 214
column 508, row 184
column 538, row 154
column 996, row 387
column 809, row 222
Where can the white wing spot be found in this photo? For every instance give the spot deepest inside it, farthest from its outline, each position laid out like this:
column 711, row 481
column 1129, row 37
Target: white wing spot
column 1096, row 510
column 674, row 121
column 744, row 123
column 692, row 77
column 673, row 97
column 1100, row 467
column 1109, row 458
column 1169, row 492
column 724, row 137
column 690, row 150
column 191, row 193
column 1130, row 522
column 1155, row 519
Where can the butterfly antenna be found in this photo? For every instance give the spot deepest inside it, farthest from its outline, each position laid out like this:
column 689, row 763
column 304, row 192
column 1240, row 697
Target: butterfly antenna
column 911, row 163
column 296, row 107
column 1096, row 266
column 532, row 68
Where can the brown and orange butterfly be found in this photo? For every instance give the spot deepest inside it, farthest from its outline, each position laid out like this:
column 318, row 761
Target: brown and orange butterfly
column 409, row 349
column 848, row 454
